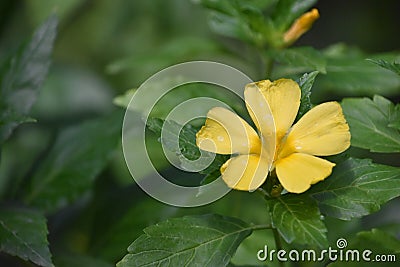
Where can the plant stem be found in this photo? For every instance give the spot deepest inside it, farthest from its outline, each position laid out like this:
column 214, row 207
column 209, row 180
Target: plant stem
column 278, row 243
column 269, row 65
column 262, row 227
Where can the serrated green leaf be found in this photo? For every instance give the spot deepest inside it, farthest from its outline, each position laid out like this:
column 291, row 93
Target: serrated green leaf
column 394, row 66
column 208, row 240
column 306, row 58
column 119, row 229
column 350, row 74
column 357, row 187
column 298, row 220
column 306, row 82
column 110, row 242
column 395, row 118
column 24, row 77
column 356, row 77
column 177, row 138
column 243, row 20
column 182, row 141
column 79, row 154
column 369, row 122
column 23, row 233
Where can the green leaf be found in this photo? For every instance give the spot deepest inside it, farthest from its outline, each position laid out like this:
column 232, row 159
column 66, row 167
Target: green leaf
column 123, row 100
column 377, row 241
column 395, row 118
column 121, row 223
column 25, row 75
column 243, row 20
column 79, row 154
column 348, row 73
column 23, row 233
column 244, row 255
column 208, row 240
column 394, row 66
column 287, row 11
column 112, row 241
column 306, row 82
column 182, row 141
column 298, row 220
column 177, row 138
column 306, row 58
column 173, row 51
column 369, row 122
column 357, row 187
column 380, row 240
column 177, row 96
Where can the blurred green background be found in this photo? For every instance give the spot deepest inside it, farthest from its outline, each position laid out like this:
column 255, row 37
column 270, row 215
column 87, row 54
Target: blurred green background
column 104, row 48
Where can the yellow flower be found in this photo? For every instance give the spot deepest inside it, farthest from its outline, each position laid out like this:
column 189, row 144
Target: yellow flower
column 290, row 150
column 300, row 26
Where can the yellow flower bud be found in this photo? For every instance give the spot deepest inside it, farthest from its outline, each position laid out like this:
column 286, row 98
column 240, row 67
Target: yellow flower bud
column 300, row 26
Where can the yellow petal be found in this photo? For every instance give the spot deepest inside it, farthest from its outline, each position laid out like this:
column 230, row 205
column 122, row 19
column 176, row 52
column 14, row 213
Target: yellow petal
column 299, row 171
column 261, row 115
column 322, row 131
column 226, row 133
column 283, row 98
column 245, row 172
column 300, row 26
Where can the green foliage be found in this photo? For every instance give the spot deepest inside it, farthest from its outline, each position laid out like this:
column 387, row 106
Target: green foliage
column 288, row 11
column 174, row 136
column 93, row 210
column 373, row 123
column 190, row 241
column 23, row 233
column 176, row 96
column 69, row 260
column 78, row 156
column 304, row 58
column 239, row 19
column 245, row 20
column 392, row 66
column 346, row 72
column 298, row 220
column 305, row 83
column 377, row 241
column 350, row 74
column 173, row 51
column 23, row 76
column 112, row 243
column 356, row 188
